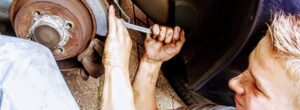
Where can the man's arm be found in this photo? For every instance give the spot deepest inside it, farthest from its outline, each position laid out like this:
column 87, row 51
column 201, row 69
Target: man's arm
column 117, row 91
column 164, row 44
column 144, row 85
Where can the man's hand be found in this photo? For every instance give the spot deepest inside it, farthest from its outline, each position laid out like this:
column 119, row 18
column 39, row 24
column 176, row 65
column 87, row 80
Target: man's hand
column 117, row 90
column 118, row 43
column 164, row 44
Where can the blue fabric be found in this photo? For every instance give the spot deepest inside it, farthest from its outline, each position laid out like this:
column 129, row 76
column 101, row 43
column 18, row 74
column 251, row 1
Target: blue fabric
column 30, row 78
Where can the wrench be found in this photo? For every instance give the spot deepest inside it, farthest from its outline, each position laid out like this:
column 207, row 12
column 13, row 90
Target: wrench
column 136, row 28
column 131, row 26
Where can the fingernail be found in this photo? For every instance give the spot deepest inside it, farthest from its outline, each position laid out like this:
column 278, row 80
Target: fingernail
column 155, row 26
column 112, row 8
column 178, row 28
column 155, row 29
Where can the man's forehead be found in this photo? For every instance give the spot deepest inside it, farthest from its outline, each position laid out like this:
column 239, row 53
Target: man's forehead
column 263, row 50
column 263, row 58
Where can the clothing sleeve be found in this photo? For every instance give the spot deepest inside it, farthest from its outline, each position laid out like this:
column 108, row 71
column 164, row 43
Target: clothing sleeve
column 30, row 78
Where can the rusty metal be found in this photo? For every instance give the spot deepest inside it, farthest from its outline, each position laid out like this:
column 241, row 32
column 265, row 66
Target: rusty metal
column 70, row 64
column 71, row 21
column 47, row 36
column 51, row 31
column 91, row 59
column 64, row 26
column 83, row 73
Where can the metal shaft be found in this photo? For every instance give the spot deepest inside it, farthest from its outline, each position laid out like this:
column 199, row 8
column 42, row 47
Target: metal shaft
column 137, row 28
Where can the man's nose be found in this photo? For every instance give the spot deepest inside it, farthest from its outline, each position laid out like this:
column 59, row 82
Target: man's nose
column 236, row 85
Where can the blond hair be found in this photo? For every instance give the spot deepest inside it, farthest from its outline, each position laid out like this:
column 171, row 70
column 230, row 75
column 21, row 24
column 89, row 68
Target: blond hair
column 285, row 35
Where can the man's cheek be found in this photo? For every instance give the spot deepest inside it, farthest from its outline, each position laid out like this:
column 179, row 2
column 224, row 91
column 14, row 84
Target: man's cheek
column 238, row 107
column 258, row 103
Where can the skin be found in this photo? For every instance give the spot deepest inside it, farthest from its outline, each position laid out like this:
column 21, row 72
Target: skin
column 264, row 85
column 118, row 94
column 116, row 61
column 164, row 44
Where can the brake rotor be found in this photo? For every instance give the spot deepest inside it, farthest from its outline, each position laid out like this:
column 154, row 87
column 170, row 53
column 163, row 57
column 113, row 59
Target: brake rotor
column 64, row 26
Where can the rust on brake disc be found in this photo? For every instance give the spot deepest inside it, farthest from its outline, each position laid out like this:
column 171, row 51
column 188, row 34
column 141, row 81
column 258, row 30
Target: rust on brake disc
column 65, row 26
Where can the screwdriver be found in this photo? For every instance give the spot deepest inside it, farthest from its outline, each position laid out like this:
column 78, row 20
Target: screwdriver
column 136, row 28
column 131, row 26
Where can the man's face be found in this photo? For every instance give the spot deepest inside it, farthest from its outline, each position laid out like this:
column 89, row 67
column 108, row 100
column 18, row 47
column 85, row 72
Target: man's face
column 264, row 85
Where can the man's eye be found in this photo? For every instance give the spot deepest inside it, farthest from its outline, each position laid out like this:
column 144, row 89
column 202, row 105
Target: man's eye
column 255, row 84
column 258, row 88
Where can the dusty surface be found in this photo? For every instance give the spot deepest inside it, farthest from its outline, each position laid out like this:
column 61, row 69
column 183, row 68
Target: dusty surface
column 88, row 93
column 85, row 92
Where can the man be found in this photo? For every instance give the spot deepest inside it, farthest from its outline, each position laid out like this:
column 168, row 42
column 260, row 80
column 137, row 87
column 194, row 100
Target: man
column 31, row 80
column 271, row 81
column 164, row 44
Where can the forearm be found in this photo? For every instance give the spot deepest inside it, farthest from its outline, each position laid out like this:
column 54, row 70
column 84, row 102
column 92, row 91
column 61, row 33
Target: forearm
column 117, row 91
column 144, row 84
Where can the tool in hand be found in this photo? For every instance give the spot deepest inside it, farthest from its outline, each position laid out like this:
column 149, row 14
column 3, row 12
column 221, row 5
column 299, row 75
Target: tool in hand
column 136, row 28
column 131, row 26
